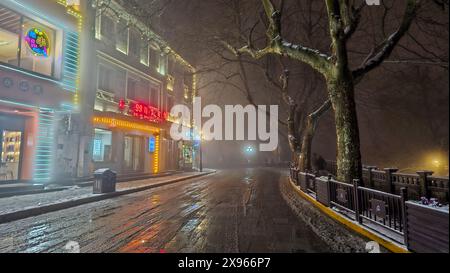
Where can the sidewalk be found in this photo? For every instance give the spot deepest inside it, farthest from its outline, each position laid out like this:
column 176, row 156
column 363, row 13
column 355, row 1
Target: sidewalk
column 19, row 207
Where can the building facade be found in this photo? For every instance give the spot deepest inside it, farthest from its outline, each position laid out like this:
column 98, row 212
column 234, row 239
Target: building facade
column 134, row 80
column 39, row 77
column 85, row 85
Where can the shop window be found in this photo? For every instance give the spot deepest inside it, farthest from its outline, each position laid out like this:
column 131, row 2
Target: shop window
column 102, row 148
column 10, row 155
column 29, row 44
column 9, row 37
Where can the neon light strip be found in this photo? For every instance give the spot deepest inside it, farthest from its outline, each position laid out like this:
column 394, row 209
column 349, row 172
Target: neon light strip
column 44, row 148
column 123, row 124
column 156, row 155
column 26, row 105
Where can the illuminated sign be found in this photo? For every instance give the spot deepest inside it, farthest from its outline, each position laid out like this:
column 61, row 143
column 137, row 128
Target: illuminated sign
column 97, row 151
column 122, row 105
column 146, row 112
column 38, row 42
column 123, row 124
column 151, row 144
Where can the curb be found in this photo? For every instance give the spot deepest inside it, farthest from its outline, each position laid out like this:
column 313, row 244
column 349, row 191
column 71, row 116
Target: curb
column 127, row 179
column 393, row 247
column 30, row 192
column 35, row 211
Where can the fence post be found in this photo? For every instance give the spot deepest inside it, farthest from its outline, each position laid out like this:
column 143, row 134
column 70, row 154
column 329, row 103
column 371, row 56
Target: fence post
column 327, row 185
column 423, row 180
column 389, row 187
column 404, row 198
column 356, row 199
column 370, row 177
column 329, row 190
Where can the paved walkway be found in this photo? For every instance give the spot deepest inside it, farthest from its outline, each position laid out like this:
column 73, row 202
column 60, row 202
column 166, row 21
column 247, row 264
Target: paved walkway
column 233, row 211
column 23, row 202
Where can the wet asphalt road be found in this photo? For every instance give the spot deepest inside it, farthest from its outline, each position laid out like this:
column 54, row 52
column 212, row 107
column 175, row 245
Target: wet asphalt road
column 233, row 211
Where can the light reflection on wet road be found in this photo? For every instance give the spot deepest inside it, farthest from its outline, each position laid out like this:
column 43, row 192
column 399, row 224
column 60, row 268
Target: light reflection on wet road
column 232, row 211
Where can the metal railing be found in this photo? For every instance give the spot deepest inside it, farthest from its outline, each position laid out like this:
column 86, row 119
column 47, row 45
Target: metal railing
column 420, row 184
column 342, row 195
column 384, row 212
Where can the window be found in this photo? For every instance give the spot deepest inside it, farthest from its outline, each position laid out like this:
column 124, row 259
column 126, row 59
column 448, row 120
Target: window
column 9, row 37
column 98, row 26
column 112, row 80
column 170, row 82
column 154, row 58
column 154, row 98
column 144, row 53
column 106, row 27
column 135, row 43
column 162, row 66
column 105, row 79
column 170, row 103
column 138, row 89
column 102, row 148
column 131, row 89
column 143, row 91
column 122, row 37
column 186, row 92
column 29, row 44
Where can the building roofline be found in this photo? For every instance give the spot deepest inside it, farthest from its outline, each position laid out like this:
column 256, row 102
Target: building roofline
column 152, row 36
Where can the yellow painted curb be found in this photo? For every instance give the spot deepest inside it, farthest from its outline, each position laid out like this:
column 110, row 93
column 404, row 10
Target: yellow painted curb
column 349, row 224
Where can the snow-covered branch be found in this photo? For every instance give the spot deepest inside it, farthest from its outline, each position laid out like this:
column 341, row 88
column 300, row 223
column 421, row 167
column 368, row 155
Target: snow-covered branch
column 383, row 51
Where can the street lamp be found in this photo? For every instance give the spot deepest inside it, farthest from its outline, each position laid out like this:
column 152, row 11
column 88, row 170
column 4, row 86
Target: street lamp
column 248, row 151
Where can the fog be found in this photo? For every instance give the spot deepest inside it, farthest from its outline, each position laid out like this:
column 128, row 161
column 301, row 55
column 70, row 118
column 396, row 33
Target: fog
column 402, row 106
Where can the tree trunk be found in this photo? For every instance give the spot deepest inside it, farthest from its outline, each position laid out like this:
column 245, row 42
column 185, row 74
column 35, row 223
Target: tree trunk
column 304, row 161
column 341, row 92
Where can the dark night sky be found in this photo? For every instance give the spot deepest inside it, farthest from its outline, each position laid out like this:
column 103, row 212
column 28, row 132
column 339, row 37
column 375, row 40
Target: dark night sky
column 403, row 108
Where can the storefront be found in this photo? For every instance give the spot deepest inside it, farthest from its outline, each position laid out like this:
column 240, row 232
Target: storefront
column 38, row 85
column 12, row 135
column 125, row 144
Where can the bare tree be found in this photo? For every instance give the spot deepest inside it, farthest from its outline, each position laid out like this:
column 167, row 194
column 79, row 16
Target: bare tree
column 343, row 20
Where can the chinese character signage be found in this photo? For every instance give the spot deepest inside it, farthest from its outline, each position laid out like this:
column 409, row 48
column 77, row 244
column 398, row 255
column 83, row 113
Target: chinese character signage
column 146, row 112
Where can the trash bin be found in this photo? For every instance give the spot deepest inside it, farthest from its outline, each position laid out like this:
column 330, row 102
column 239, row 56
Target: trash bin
column 104, row 181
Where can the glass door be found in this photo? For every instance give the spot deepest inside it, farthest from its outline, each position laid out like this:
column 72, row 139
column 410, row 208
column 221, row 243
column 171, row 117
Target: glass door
column 133, row 153
column 138, row 149
column 128, row 153
column 10, row 155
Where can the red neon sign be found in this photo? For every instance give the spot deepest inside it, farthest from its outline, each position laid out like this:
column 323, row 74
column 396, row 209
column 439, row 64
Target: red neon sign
column 122, row 105
column 147, row 112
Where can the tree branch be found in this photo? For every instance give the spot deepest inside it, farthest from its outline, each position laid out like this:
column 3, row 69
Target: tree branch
column 278, row 46
column 383, row 51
